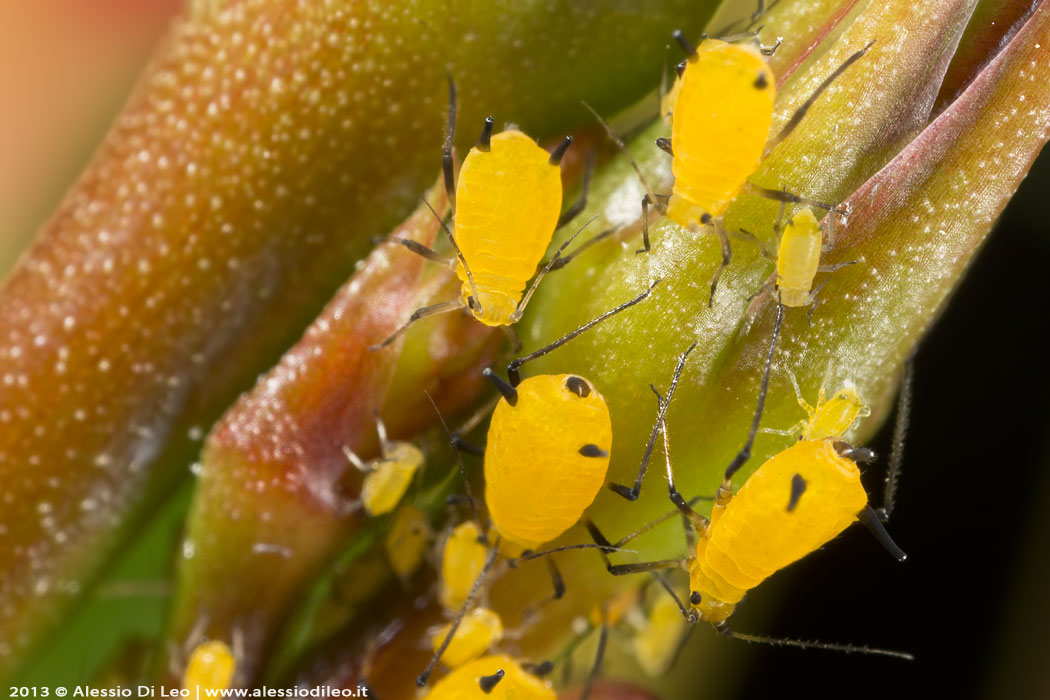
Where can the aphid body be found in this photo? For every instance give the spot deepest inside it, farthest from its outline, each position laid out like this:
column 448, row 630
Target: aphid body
column 462, row 560
column 494, row 677
column 390, row 477
column 508, row 203
column 798, row 258
column 765, row 526
column 479, row 629
column 546, row 457
column 210, row 667
column 406, row 541
column 723, row 109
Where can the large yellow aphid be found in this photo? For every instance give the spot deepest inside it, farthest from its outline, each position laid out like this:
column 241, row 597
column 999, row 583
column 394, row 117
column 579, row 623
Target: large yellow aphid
column 794, row 503
column 388, row 477
column 546, row 457
column 479, row 630
column 210, row 667
column 495, row 677
column 506, row 206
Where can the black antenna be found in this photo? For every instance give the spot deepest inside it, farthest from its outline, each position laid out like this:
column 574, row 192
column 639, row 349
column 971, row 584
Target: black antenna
column 724, row 630
column 631, row 494
column 453, row 442
column 515, row 365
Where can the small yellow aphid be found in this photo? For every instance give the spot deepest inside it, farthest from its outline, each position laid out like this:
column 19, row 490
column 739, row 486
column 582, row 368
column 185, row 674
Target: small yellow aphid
column 494, row 677
column 657, row 642
column 798, row 258
column 506, row 207
column 546, row 457
column 388, row 477
column 478, row 631
column 830, row 418
column 406, row 541
column 210, row 667
column 462, row 560
column 797, row 501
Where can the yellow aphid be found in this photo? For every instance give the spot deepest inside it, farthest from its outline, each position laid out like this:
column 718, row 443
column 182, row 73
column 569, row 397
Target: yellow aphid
column 546, row 457
column 406, row 541
column 390, row 477
column 656, row 644
column 210, row 667
column 506, row 206
column 761, row 530
column 479, row 630
column 722, row 113
column 461, row 562
column 495, row 677
column 508, row 203
column 835, row 416
column 798, row 258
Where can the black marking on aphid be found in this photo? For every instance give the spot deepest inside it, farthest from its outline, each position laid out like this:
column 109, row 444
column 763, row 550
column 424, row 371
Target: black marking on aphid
column 798, row 487
column 694, row 598
column 761, row 82
column 705, row 218
column 485, row 140
column 559, row 151
column 592, row 450
column 578, row 386
column 509, row 392
column 488, row 683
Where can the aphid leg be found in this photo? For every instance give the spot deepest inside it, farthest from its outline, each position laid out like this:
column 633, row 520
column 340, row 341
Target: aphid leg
column 516, row 316
column 417, row 248
column 782, row 195
column 615, row 138
column 475, row 304
column 421, row 680
column 631, row 494
column 814, row 299
column 556, row 579
column 664, row 144
column 727, row 255
column 417, row 315
column 723, row 629
column 359, row 464
column 687, row 613
column 452, row 441
column 645, row 566
column 699, row 522
column 448, row 162
column 512, row 369
column 725, row 491
column 762, row 249
column 468, row 426
column 797, row 117
column 581, row 203
column 900, row 430
column 565, row 260
column 599, row 655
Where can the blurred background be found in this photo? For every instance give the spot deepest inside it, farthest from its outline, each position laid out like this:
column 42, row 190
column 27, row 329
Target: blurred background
column 973, row 510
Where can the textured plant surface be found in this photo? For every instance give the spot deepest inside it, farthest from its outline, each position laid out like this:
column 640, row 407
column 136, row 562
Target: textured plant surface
column 267, row 142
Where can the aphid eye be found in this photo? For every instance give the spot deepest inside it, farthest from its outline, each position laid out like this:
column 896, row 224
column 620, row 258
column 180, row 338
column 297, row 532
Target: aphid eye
column 694, row 598
column 470, row 302
column 705, row 218
column 578, row 386
column 761, row 83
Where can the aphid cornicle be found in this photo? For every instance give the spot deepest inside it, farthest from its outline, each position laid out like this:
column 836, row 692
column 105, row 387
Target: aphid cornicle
column 495, row 677
column 794, row 503
column 506, row 206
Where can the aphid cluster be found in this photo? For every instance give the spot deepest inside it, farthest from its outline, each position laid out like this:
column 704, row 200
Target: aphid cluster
column 550, row 437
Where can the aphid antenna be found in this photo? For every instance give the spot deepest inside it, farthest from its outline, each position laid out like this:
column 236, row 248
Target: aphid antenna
column 516, row 316
column 459, row 459
column 421, row 680
column 448, row 164
column 443, row 307
column 476, row 303
column 528, row 555
column 724, row 630
column 745, row 451
column 900, row 430
column 631, row 494
column 800, row 113
column 512, row 369
column 615, row 138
